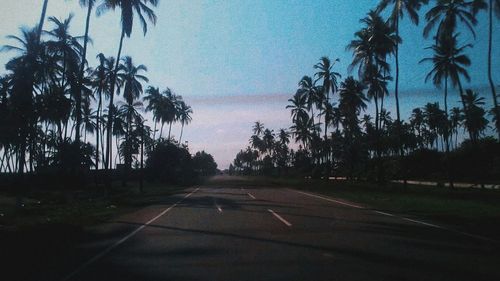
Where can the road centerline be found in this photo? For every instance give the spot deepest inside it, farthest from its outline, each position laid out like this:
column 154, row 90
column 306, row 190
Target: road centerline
column 125, row 238
column 287, row 223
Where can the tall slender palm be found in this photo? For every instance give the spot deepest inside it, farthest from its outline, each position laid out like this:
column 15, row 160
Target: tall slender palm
column 127, row 7
column 492, row 6
column 449, row 62
column 399, row 8
column 329, row 78
column 42, row 19
column 89, row 4
column 132, row 78
column 351, row 102
column 185, row 118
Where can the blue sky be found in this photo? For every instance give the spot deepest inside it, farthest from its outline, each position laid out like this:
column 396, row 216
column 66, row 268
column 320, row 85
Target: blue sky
column 215, row 53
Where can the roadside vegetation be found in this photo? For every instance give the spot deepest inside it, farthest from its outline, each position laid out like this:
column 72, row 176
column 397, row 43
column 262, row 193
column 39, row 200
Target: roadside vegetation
column 331, row 134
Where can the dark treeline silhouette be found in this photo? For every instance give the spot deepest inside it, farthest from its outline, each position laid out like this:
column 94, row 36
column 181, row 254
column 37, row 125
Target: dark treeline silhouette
column 334, row 137
column 52, row 101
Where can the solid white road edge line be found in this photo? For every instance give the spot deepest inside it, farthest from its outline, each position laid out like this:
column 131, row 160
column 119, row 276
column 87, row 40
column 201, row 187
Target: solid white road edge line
column 251, row 196
column 280, row 218
column 329, row 199
column 121, row 241
column 400, row 217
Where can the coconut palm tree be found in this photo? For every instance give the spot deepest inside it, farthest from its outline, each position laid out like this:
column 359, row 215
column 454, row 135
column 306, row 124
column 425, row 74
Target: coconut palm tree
column 128, row 8
column 298, row 107
column 42, row 19
column 153, row 98
column 185, row 118
column 399, row 9
column 492, row 6
column 101, row 81
column 132, row 78
column 351, row 102
column 446, row 15
column 89, row 4
column 329, row 78
column 449, row 63
column 307, row 88
column 258, row 128
column 456, row 119
column 475, row 120
column 25, row 69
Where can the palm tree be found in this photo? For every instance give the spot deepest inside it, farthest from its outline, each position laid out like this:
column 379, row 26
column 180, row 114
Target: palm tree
column 128, row 8
column 89, row 4
column 449, row 62
column 153, row 97
column 102, row 83
column 492, row 6
column 132, row 89
column 185, row 118
column 446, row 15
column 475, row 121
column 258, row 128
column 24, row 69
column 42, row 19
column 399, row 8
column 329, row 78
column 307, row 88
column 352, row 101
column 456, row 119
column 298, row 107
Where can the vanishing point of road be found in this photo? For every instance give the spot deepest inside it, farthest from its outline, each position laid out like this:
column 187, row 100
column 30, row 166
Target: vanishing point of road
column 258, row 233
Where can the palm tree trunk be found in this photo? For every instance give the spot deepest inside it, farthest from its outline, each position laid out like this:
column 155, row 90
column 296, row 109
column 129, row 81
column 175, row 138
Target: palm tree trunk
column 496, row 109
column 448, row 163
column 161, row 130
column 42, row 19
column 110, row 112
column 169, row 130
column 98, row 125
column 78, row 97
column 154, row 131
column 461, row 92
column 182, row 129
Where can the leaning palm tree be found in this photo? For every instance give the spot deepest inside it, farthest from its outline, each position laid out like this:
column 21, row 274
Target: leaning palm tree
column 185, row 112
column 128, row 8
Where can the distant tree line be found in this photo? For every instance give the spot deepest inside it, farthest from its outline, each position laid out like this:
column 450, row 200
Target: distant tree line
column 335, row 137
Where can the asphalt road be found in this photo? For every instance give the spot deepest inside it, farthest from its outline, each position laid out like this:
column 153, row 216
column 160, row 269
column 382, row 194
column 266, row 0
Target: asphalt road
column 236, row 233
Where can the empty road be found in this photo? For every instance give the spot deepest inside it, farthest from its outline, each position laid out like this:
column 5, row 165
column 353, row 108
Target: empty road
column 241, row 233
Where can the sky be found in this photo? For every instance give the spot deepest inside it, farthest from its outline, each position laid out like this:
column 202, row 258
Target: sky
column 236, row 62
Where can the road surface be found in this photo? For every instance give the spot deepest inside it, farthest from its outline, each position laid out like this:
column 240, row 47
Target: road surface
column 241, row 233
